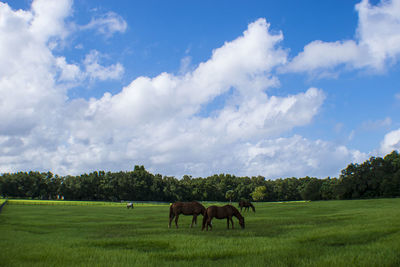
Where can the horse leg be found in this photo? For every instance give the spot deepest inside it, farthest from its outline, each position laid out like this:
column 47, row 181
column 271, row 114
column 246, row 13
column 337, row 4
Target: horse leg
column 176, row 220
column 227, row 222
column 203, row 224
column 231, row 221
column 194, row 220
column 170, row 220
column 209, row 224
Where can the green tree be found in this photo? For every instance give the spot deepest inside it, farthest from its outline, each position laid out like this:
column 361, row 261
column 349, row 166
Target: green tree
column 328, row 188
column 311, row 190
column 229, row 195
column 259, row 193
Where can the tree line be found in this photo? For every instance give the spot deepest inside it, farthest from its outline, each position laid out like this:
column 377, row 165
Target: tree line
column 376, row 177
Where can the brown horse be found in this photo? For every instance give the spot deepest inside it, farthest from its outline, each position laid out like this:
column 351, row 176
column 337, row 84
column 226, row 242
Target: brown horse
column 223, row 212
column 186, row 208
column 246, row 205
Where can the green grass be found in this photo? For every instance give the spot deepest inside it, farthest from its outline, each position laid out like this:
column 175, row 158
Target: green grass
column 331, row 233
column 79, row 203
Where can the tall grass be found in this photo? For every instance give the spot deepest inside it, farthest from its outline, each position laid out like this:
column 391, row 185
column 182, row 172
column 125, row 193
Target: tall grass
column 332, row 233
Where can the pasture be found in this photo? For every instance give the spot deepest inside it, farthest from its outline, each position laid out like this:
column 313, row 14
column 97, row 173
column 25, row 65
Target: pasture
column 325, row 233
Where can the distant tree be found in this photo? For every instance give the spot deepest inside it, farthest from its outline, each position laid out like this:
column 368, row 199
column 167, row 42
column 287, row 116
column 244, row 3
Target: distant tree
column 311, row 190
column 376, row 177
column 328, row 188
column 229, row 195
column 259, row 193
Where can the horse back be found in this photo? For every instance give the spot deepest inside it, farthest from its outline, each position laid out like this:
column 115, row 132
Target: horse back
column 188, row 208
column 219, row 212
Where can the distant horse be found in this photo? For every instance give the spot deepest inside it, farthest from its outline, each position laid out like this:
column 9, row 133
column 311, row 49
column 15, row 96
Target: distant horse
column 186, row 208
column 129, row 205
column 246, row 205
column 223, row 212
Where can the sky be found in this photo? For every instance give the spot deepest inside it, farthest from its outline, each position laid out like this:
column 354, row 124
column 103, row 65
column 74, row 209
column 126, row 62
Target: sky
column 272, row 88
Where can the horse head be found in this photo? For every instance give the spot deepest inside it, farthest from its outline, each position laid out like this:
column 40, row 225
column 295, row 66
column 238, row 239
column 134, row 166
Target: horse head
column 237, row 214
column 203, row 211
column 252, row 207
column 241, row 222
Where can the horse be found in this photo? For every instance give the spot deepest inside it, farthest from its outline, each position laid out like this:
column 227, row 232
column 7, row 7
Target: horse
column 129, row 205
column 223, row 212
column 186, row 208
column 246, row 205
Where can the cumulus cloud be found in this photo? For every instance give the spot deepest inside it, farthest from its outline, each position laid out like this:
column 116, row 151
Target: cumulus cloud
column 32, row 78
column 282, row 157
column 48, row 18
column 27, row 78
column 154, row 121
column 391, row 142
column 377, row 42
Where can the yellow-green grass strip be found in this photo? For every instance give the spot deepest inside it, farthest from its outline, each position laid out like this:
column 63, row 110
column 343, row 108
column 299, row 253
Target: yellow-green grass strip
column 78, row 203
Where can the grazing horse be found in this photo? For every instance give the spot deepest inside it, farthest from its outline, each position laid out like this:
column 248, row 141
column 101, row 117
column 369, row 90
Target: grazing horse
column 186, row 208
column 246, row 205
column 129, row 205
column 223, row 212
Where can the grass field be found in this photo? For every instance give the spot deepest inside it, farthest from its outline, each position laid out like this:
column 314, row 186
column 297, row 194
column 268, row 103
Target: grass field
column 331, row 233
column 79, row 203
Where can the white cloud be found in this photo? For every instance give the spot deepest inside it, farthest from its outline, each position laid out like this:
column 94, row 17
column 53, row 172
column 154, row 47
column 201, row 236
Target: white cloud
column 68, row 72
column 107, row 24
column 32, row 79
column 157, row 122
column 27, row 86
column 379, row 31
column 318, row 54
column 48, row 18
column 377, row 41
column 391, row 142
column 153, row 121
column 96, row 71
column 284, row 156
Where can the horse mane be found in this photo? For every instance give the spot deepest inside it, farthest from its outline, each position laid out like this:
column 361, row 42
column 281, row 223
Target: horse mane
column 236, row 211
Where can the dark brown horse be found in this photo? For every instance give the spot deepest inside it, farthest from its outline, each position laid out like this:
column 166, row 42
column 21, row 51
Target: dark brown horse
column 186, row 208
column 223, row 212
column 246, row 205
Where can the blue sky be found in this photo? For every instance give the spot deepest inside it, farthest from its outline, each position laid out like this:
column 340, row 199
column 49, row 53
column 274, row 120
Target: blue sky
column 272, row 88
